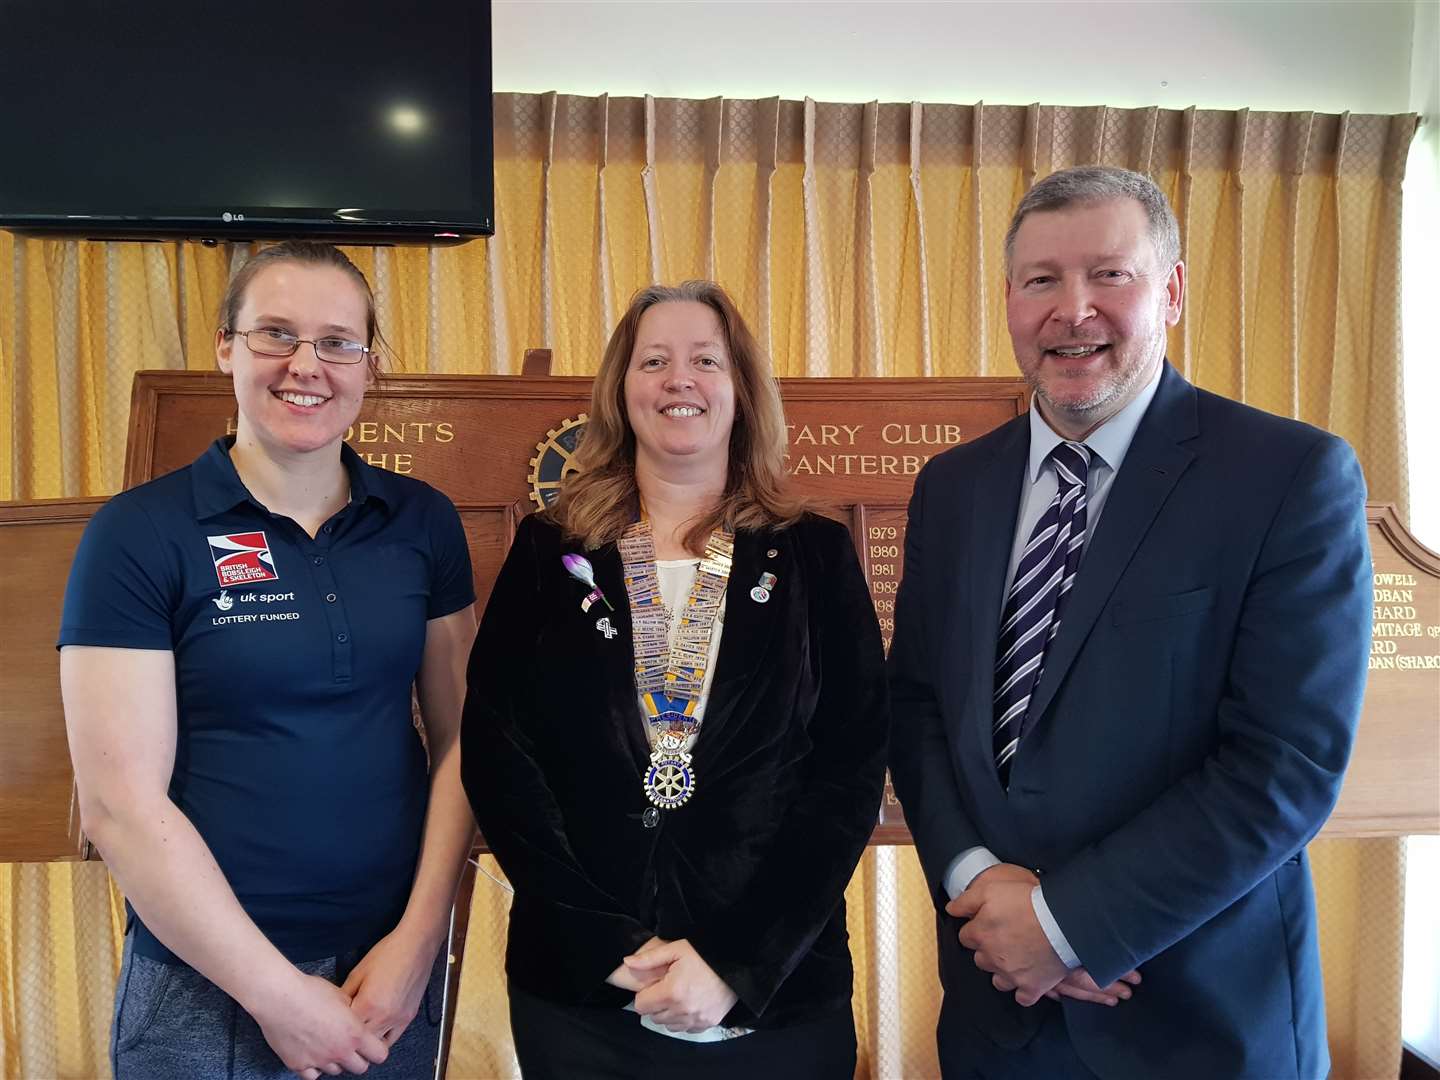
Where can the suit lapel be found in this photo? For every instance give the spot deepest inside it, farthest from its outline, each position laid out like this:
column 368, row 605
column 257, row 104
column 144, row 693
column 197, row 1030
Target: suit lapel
column 1153, row 465
column 992, row 529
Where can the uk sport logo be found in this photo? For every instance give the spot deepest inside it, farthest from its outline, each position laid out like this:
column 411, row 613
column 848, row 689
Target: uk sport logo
column 242, row 558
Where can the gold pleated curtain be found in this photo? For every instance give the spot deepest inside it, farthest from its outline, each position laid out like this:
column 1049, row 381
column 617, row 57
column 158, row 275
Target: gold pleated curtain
column 859, row 240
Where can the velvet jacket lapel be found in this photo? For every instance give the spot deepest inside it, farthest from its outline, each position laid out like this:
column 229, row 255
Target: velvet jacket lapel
column 749, row 628
column 607, row 662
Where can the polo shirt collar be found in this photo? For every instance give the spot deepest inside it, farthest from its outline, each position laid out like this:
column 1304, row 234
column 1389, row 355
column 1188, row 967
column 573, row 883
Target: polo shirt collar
column 218, row 487
column 366, row 481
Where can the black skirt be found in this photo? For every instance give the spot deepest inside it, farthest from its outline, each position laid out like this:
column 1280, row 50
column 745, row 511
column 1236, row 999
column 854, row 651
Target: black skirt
column 579, row 1042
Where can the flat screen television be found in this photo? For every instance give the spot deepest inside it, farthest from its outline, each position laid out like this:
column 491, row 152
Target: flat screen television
column 358, row 122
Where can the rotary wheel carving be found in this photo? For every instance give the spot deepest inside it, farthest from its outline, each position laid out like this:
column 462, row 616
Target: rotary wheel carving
column 553, row 460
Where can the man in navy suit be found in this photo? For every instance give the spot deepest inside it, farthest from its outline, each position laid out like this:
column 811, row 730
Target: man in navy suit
column 1129, row 655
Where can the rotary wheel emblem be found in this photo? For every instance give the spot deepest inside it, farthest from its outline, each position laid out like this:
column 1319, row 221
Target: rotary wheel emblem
column 669, row 782
column 553, row 460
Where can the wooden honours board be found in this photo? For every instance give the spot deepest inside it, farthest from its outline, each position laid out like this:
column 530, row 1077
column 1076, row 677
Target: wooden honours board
column 879, row 531
column 500, row 445
column 1393, row 784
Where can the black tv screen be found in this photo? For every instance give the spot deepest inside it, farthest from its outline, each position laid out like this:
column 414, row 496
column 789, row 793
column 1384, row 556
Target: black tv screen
column 360, row 122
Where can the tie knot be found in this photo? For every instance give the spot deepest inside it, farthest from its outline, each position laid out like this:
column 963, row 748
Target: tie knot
column 1072, row 463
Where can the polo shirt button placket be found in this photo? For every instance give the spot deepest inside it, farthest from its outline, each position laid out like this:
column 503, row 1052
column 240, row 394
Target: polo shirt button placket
column 324, row 578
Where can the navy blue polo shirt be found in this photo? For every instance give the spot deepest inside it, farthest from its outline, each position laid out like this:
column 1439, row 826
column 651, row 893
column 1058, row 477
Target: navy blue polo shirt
column 297, row 758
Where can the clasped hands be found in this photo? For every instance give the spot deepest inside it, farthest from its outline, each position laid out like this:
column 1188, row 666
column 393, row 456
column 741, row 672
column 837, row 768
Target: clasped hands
column 674, row 986
column 1009, row 942
column 316, row 1027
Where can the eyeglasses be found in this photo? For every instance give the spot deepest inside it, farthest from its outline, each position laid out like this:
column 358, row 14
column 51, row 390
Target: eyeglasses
column 268, row 341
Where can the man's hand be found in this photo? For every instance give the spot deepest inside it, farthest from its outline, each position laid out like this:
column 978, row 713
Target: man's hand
column 1006, row 936
column 313, row 1030
column 689, row 996
column 1076, row 985
column 1079, row 986
column 635, row 981
column 387, row 985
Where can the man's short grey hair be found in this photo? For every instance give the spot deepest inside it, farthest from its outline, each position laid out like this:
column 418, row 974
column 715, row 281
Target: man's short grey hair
column 1086, row 185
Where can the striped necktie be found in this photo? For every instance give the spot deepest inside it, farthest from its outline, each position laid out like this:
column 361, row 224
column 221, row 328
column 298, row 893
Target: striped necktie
column 1043, row 578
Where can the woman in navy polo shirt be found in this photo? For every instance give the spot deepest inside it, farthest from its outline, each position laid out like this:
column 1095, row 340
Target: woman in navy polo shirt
column 239, row 642
column 674, row 740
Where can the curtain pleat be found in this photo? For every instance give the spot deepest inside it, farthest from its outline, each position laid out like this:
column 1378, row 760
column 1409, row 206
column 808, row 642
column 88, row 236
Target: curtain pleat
column 860, row 240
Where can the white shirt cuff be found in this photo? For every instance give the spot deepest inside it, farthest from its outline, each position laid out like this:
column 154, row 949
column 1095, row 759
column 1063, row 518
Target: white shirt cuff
column 1052, row 929
column 966, row 867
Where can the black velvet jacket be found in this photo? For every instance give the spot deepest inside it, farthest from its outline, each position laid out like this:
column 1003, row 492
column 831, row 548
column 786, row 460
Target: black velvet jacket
column 789, row 769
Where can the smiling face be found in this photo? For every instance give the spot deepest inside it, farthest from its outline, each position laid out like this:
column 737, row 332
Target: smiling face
column 679, row 387
column 296, row 404
column 1088, row 302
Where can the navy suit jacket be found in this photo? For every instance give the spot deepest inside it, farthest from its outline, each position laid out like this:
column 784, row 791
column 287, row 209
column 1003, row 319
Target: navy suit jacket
column 1186, row 740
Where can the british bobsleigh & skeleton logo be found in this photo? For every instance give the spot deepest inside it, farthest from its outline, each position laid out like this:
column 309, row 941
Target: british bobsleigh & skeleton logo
column 242, row 558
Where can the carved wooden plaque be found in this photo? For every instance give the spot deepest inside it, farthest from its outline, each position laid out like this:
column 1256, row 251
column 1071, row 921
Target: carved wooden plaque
column 500, row 445
column 1393, row 785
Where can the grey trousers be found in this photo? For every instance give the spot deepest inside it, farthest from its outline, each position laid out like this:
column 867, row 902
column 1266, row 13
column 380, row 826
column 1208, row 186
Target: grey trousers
column 171, row 1023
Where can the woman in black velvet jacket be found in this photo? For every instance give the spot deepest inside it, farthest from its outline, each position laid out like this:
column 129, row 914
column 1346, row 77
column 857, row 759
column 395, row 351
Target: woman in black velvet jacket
column 716, row 913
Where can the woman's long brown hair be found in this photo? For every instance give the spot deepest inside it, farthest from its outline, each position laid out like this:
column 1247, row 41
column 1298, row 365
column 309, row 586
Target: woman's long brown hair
column 597, row 503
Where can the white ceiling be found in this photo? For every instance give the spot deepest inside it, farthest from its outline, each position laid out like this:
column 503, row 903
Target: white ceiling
column 1330, row 57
